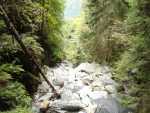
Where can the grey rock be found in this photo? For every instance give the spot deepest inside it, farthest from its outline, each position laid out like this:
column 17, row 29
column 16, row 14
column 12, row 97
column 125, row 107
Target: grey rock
column 45, row 97
column 109, row 105
column 98, row 95
column 87, row 86
column 111, row 89
column 105, row 69
column 107, row 80
column 128, row 110
column 35, row 108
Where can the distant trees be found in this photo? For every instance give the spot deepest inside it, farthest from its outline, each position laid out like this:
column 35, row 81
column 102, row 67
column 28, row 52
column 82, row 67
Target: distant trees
column 104, row 20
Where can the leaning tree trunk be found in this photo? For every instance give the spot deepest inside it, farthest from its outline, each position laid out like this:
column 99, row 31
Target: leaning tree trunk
column 17, row 37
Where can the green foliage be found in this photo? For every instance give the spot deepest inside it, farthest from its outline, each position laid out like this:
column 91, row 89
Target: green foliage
column 137, row 57
column 128, row 100
column 73, row 47
column 6, row 70
column 133, row 59
column 50, row 32
column 127, row 63
column 7, row 44
column 104, row 18
column 10, row 68
column 19, row 109
column 2, row 26
column 71, row 40
column 15, row 93
column 41, row 18
column 39, row 24
column 118, row 33
column 33, row 46
column 12, row 93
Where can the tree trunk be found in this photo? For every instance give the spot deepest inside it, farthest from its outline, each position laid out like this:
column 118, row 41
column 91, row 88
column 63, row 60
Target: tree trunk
column 17, row 37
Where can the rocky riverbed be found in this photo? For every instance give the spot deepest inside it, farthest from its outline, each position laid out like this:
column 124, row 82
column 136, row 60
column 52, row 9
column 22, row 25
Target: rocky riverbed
column 87, row 88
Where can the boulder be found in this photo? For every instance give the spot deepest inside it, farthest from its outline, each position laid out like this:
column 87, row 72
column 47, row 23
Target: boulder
column 111, row 89
column 109, row 105
column 87, row 88
column 95, row 95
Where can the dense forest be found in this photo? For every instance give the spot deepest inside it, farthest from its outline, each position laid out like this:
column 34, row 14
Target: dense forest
column 35, row 35
column 38, row 25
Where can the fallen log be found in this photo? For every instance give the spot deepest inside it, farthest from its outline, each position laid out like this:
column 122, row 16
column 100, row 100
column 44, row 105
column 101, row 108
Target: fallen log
column 18, row 37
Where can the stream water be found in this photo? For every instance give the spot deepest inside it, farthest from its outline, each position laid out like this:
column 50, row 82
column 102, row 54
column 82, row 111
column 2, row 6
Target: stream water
column 87, row 88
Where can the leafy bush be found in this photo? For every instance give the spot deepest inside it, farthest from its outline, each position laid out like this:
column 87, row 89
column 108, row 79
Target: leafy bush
column 16, row 94
column 12, row 93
